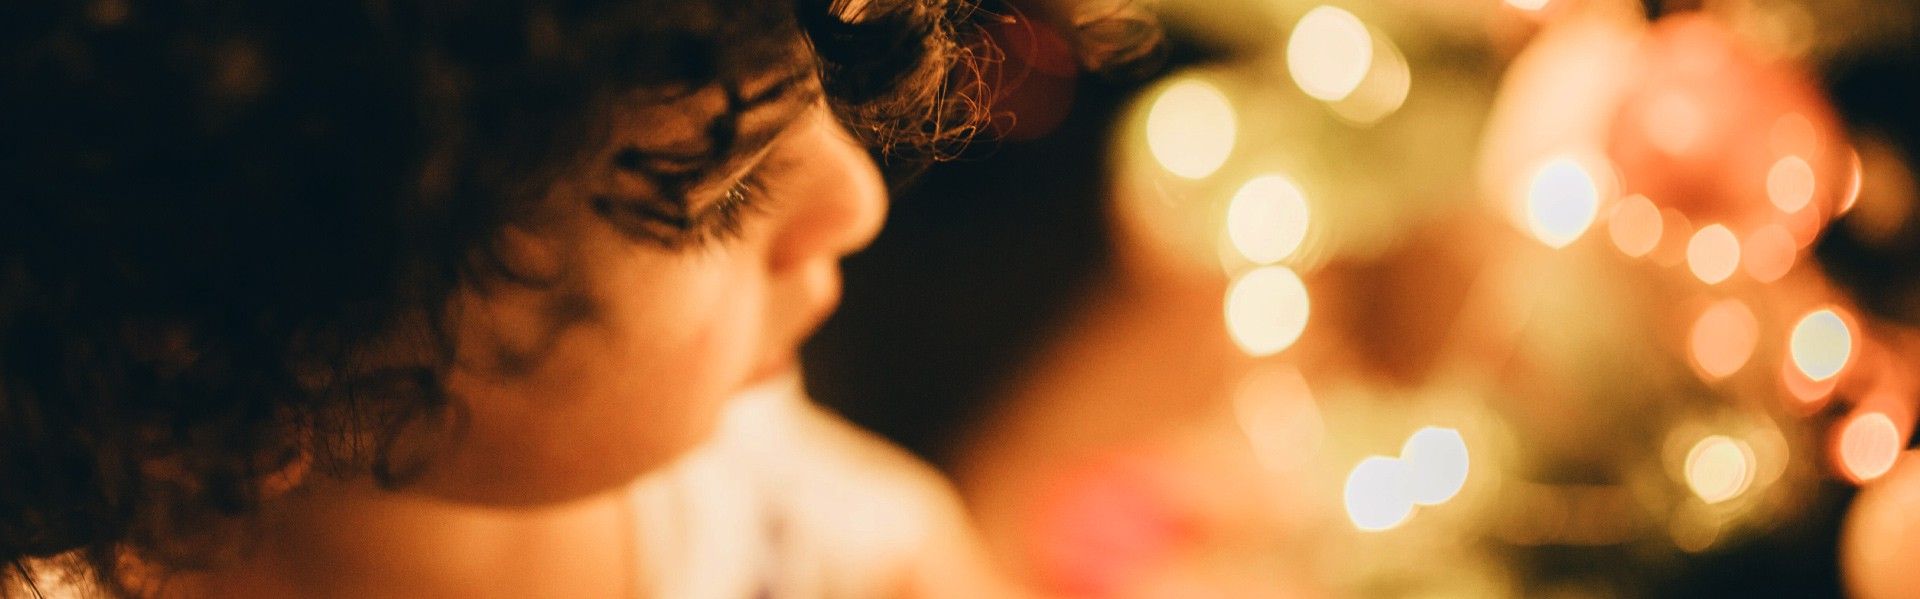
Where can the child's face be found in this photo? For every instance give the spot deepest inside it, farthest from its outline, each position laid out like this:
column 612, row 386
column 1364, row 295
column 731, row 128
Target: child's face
column 652, row 338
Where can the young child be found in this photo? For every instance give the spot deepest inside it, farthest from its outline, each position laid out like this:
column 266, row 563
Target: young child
column 436, row 299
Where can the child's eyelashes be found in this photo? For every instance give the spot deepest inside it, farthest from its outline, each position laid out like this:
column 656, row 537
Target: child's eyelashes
column 672, row 226
column 725, row 219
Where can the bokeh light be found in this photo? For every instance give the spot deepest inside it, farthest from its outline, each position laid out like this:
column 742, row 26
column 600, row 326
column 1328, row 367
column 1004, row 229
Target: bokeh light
column 1276, row 408
column 1713, row 253
column 1869, row 445
column 1267, row 219
column 1436, row 457
column 1267, row 310
column 1191, row 128
column 1723, row 338
column 1530, row 5
column 1768, row 253
column 1329, row 53
column 1790, row 184
column 1635, row 225
column 1384, row 88
column 1719, row 468
column 1821, row 344
column 1378, row 495
column 1562, row 201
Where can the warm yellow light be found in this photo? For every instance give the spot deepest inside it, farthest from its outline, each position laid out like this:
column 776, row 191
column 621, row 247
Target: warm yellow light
column 1713, row 253
column 1790, row 184
column 1267, row 310
column 1562, row 201
column 1436, row 458
column 1768, row 253
column 1191, row 128
column 1528, row 5
column 1869, row 445
column 1329, row 53
column 1635, row 226
column 1821, row 344
column 1723, row 338
column 1719, row 468
column 1384, row 88
column 1377, row 494
column 1267, row 219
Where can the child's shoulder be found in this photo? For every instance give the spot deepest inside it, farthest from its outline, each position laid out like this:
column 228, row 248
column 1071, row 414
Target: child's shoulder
column 791, row 494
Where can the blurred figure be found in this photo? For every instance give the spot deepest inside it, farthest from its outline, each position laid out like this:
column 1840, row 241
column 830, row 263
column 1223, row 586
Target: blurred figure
column 434, row 299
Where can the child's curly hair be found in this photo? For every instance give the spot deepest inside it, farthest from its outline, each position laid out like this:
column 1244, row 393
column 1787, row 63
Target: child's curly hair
column 215, row 210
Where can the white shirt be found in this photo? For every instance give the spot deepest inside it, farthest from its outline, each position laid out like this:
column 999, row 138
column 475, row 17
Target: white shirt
column 786, row 501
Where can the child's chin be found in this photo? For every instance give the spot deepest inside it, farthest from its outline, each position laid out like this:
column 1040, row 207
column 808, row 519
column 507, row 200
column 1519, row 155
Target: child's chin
column 779, row 370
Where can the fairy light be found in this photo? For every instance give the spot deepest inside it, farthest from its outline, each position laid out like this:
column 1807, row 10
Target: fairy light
column 1821, row 344
column 1329, row 53
column 1713, row 253
column 1723, row 338
column 1719, row 468
column 1635, row 226
column 1438, row 463
column 1191, row 128
column 1790, row 184
column 1267, row 219
column 1378, row 496
column 1267, row 310
column 1562, row 201
column 1869, row 445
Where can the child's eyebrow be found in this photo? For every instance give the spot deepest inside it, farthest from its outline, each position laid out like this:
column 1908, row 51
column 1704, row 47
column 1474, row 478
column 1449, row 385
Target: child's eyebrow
column 735, row 134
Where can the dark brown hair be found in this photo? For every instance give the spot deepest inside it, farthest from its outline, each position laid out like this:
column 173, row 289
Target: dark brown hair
column 215, row 211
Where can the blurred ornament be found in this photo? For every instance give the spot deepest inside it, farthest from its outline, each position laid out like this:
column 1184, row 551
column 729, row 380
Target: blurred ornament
column 1881, row 538
column 1725, row 135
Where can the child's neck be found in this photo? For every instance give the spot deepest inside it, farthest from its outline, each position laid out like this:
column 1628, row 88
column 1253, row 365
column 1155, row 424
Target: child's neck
column 353, row 540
